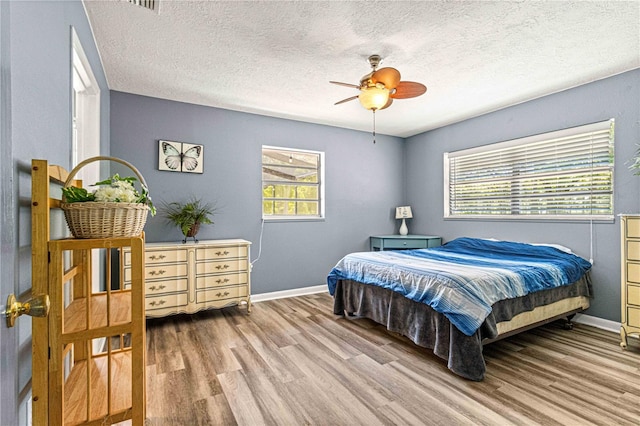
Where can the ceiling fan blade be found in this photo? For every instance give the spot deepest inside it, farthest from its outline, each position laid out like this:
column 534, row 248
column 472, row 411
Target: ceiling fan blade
column 345, row 84
column 390, row 77
column 408, row 89
column 346, row 100
column 388, row 104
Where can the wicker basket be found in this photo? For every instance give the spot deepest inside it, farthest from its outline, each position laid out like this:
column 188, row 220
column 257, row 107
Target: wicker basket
column 93, row 219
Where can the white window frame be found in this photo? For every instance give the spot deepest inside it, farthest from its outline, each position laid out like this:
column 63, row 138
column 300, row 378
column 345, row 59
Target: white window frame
column 85, row 112
column 85, row 142
column 517, row 173
column 291, row 152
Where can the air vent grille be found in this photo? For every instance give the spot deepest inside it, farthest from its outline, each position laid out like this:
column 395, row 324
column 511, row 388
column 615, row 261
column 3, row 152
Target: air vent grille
column 147, row 4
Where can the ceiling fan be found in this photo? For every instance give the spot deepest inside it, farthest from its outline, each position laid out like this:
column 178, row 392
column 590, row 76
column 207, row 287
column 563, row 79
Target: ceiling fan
column 381, row 86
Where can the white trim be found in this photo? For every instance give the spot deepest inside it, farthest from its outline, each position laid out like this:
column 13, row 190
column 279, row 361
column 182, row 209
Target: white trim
column 263, row 297
column 602, row 323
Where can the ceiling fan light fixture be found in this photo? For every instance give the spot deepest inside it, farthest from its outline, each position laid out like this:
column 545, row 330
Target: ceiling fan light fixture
column 373, row 97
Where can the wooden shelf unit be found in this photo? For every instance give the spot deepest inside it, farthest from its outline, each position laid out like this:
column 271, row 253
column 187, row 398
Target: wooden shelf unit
column 89, row 353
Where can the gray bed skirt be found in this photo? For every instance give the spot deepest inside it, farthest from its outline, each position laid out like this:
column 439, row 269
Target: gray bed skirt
column 432, row 330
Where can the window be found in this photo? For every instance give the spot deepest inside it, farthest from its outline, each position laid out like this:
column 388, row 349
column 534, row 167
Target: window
column 565, row 175
column 292, row 185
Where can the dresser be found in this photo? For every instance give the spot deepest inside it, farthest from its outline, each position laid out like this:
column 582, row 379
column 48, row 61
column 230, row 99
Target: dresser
column 190, row 277
column 403, row 242
column 630, row 277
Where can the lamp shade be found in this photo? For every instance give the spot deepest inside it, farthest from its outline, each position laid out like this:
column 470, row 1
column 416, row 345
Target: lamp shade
column 374, row 97
column 403, row 212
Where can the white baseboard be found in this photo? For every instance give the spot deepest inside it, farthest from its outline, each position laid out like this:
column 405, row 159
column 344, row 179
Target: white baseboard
column 262, row 297
column 597, row 322
column 579, row 318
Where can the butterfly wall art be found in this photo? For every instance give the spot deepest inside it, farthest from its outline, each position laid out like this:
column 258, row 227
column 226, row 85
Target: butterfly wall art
column 180, row 157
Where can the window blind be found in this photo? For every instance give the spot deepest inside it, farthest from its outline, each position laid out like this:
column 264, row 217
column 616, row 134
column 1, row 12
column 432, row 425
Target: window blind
column 567, row 174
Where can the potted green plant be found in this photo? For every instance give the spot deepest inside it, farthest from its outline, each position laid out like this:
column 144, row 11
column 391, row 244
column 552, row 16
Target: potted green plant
column 635, row 166
column 188, row 216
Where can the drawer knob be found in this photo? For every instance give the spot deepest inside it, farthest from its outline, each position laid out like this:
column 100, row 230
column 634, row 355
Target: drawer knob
column 159, row 257
column 226, row 293
column 160, row 287
column 160, row 302
column 160, row 272
column 222, row 253
column 225, row 266
column 220, row 281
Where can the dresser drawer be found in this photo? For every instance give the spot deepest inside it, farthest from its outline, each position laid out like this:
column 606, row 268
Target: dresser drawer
column 633, row 317
column 158, row 272
column 633, row 250
column 212, row 281
column 633, row 272
column 220, row 253
column 159, row 287
column 159, row 256
column 405, row 244
column 221, row 266
column 166, row 301
column 633, row 295
column 633, row 227
column 220, row 294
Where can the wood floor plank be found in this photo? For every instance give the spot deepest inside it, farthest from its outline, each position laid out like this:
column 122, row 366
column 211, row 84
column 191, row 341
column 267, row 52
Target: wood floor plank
column 292, row 362
column 324, row 337
column 475, row 399
column 273, row 324
column 167, row 354
column 395, row 413
column 243, row 404
column 270, row 353
column 325, row 362
column 199, row 367
column 358, row 342
column 215, row 411
column 410, row 392
column 329, row 390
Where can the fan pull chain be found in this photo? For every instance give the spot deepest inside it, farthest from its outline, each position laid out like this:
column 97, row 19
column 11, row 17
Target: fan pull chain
column 374, row 126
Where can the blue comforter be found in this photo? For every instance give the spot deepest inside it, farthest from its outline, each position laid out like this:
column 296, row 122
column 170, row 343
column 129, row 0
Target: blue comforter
column 465, row 277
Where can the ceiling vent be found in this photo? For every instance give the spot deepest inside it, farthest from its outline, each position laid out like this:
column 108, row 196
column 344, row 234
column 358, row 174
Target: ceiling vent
column 147, row 4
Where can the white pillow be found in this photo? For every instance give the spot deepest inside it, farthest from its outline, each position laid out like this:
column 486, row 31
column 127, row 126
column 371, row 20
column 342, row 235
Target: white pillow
column 558, row 246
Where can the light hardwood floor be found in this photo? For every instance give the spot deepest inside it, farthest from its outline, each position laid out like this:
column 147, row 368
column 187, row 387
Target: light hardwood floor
column 292, row 362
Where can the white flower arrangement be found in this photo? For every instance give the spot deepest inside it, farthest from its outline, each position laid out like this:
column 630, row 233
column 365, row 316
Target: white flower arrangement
column 116, row 189
column 120, row 191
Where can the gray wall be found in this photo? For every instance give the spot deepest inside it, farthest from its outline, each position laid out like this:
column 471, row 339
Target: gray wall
column 363, row 183
column 616, row 97
column 36, row 89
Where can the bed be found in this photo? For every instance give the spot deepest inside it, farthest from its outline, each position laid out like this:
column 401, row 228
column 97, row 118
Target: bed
column 469, row 292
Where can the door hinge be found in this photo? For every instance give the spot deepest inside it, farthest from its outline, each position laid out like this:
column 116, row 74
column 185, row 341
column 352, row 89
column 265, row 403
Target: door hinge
column 49, row 352
column 48, row 257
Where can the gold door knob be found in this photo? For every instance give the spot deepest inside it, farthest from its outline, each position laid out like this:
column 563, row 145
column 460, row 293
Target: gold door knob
column 37, row 306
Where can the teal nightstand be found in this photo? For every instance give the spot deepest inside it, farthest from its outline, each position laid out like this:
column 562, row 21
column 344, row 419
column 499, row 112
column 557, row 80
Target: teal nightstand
column 403, row 242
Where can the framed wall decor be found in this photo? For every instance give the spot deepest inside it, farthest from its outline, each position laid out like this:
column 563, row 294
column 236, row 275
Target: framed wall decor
column 180, row 157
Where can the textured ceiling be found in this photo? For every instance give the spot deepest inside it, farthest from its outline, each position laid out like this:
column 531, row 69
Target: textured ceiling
column 276, row 58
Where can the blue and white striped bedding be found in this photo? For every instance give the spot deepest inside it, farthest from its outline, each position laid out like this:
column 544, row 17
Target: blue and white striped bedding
column 465, row 277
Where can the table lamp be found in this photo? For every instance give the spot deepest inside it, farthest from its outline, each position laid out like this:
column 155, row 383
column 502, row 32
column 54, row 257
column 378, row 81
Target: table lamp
column 403, row 213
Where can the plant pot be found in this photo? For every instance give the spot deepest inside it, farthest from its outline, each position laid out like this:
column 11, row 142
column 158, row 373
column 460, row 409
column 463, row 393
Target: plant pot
column 192, row 232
